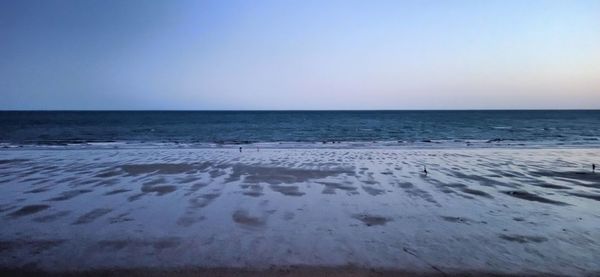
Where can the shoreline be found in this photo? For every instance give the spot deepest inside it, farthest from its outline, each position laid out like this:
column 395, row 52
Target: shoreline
column 380, row 145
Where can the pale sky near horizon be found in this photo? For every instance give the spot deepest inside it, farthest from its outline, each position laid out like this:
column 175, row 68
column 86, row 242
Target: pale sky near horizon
column 326, row 54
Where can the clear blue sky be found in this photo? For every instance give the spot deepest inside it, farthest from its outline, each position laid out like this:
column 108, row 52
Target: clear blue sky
column 151, row 54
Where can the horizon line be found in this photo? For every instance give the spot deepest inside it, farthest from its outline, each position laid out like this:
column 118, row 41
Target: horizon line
column 287, row 110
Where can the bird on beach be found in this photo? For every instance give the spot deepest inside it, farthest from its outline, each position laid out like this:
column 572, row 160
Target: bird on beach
column 425, row 170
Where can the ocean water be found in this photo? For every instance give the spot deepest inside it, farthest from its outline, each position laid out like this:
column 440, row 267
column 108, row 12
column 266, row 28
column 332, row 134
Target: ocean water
column 521, row 128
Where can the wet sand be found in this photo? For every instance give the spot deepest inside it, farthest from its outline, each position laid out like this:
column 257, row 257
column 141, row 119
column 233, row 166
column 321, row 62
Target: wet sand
column 287, row 271
column 300, row 212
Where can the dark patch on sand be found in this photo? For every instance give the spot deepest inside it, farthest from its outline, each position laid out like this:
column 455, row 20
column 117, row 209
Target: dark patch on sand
column 370, row 182
column 6, row 207
column 509, row 174
column 476, row 192
column 405, row 185
column 187, row 221
column 446, row 190
column 458, row 219
column 117, row 191
column 281, row 175
column 481, row 180
column 573, row 175
column 452, row 185
column 69, row 194
column 163, row 168
column 330, row 187
column 253, row 193
column 287, row 190
column 450, row 188
column 120, row 244
column 532, row 197
column 210, row 196
column 242, row 217
column 288, row 215
column 586, row 195
column 187, row 180
column 465, row 196
column 78, row 183
column 120, row 218
column 413, row 191
column 579, row 183
column 91, row 216
column 371, row 220
column 34, row 246
column 160, row 190
column 27, row 210
column 40, row 180
column 373, row 191
column 108, row 173
column 51, row 217
column 523, row 239
column 546, row 185
column 38, row 190
column 135, row 197
column 454, row 219
column 165, row 243
column 12, row 161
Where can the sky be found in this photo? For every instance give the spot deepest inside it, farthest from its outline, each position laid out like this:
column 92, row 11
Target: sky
column 299, row 55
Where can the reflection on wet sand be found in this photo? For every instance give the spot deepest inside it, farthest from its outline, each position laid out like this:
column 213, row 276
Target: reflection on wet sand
column 506, row 211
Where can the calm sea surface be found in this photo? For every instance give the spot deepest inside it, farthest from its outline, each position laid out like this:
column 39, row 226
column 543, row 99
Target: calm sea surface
column 302, row 128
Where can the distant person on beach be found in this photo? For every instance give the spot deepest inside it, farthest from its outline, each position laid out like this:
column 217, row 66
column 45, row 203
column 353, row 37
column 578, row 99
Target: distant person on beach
column 594, row 168
column 240, row 149
column 425, row 170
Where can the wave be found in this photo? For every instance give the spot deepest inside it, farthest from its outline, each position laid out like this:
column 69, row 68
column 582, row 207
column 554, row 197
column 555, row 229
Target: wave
column 396, row 144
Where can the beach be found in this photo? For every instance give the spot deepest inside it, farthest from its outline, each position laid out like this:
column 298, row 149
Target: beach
column 300, row 212
column 299, row 138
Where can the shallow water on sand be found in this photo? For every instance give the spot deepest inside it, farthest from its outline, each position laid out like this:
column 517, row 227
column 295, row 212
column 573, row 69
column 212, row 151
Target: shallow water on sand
column 500, row 210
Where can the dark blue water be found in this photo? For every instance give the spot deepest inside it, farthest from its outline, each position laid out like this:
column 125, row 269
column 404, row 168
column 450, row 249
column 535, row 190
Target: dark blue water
column 499, row 128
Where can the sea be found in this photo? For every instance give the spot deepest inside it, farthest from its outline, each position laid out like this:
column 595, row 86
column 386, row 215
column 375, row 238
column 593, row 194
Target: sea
column 301, row 129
